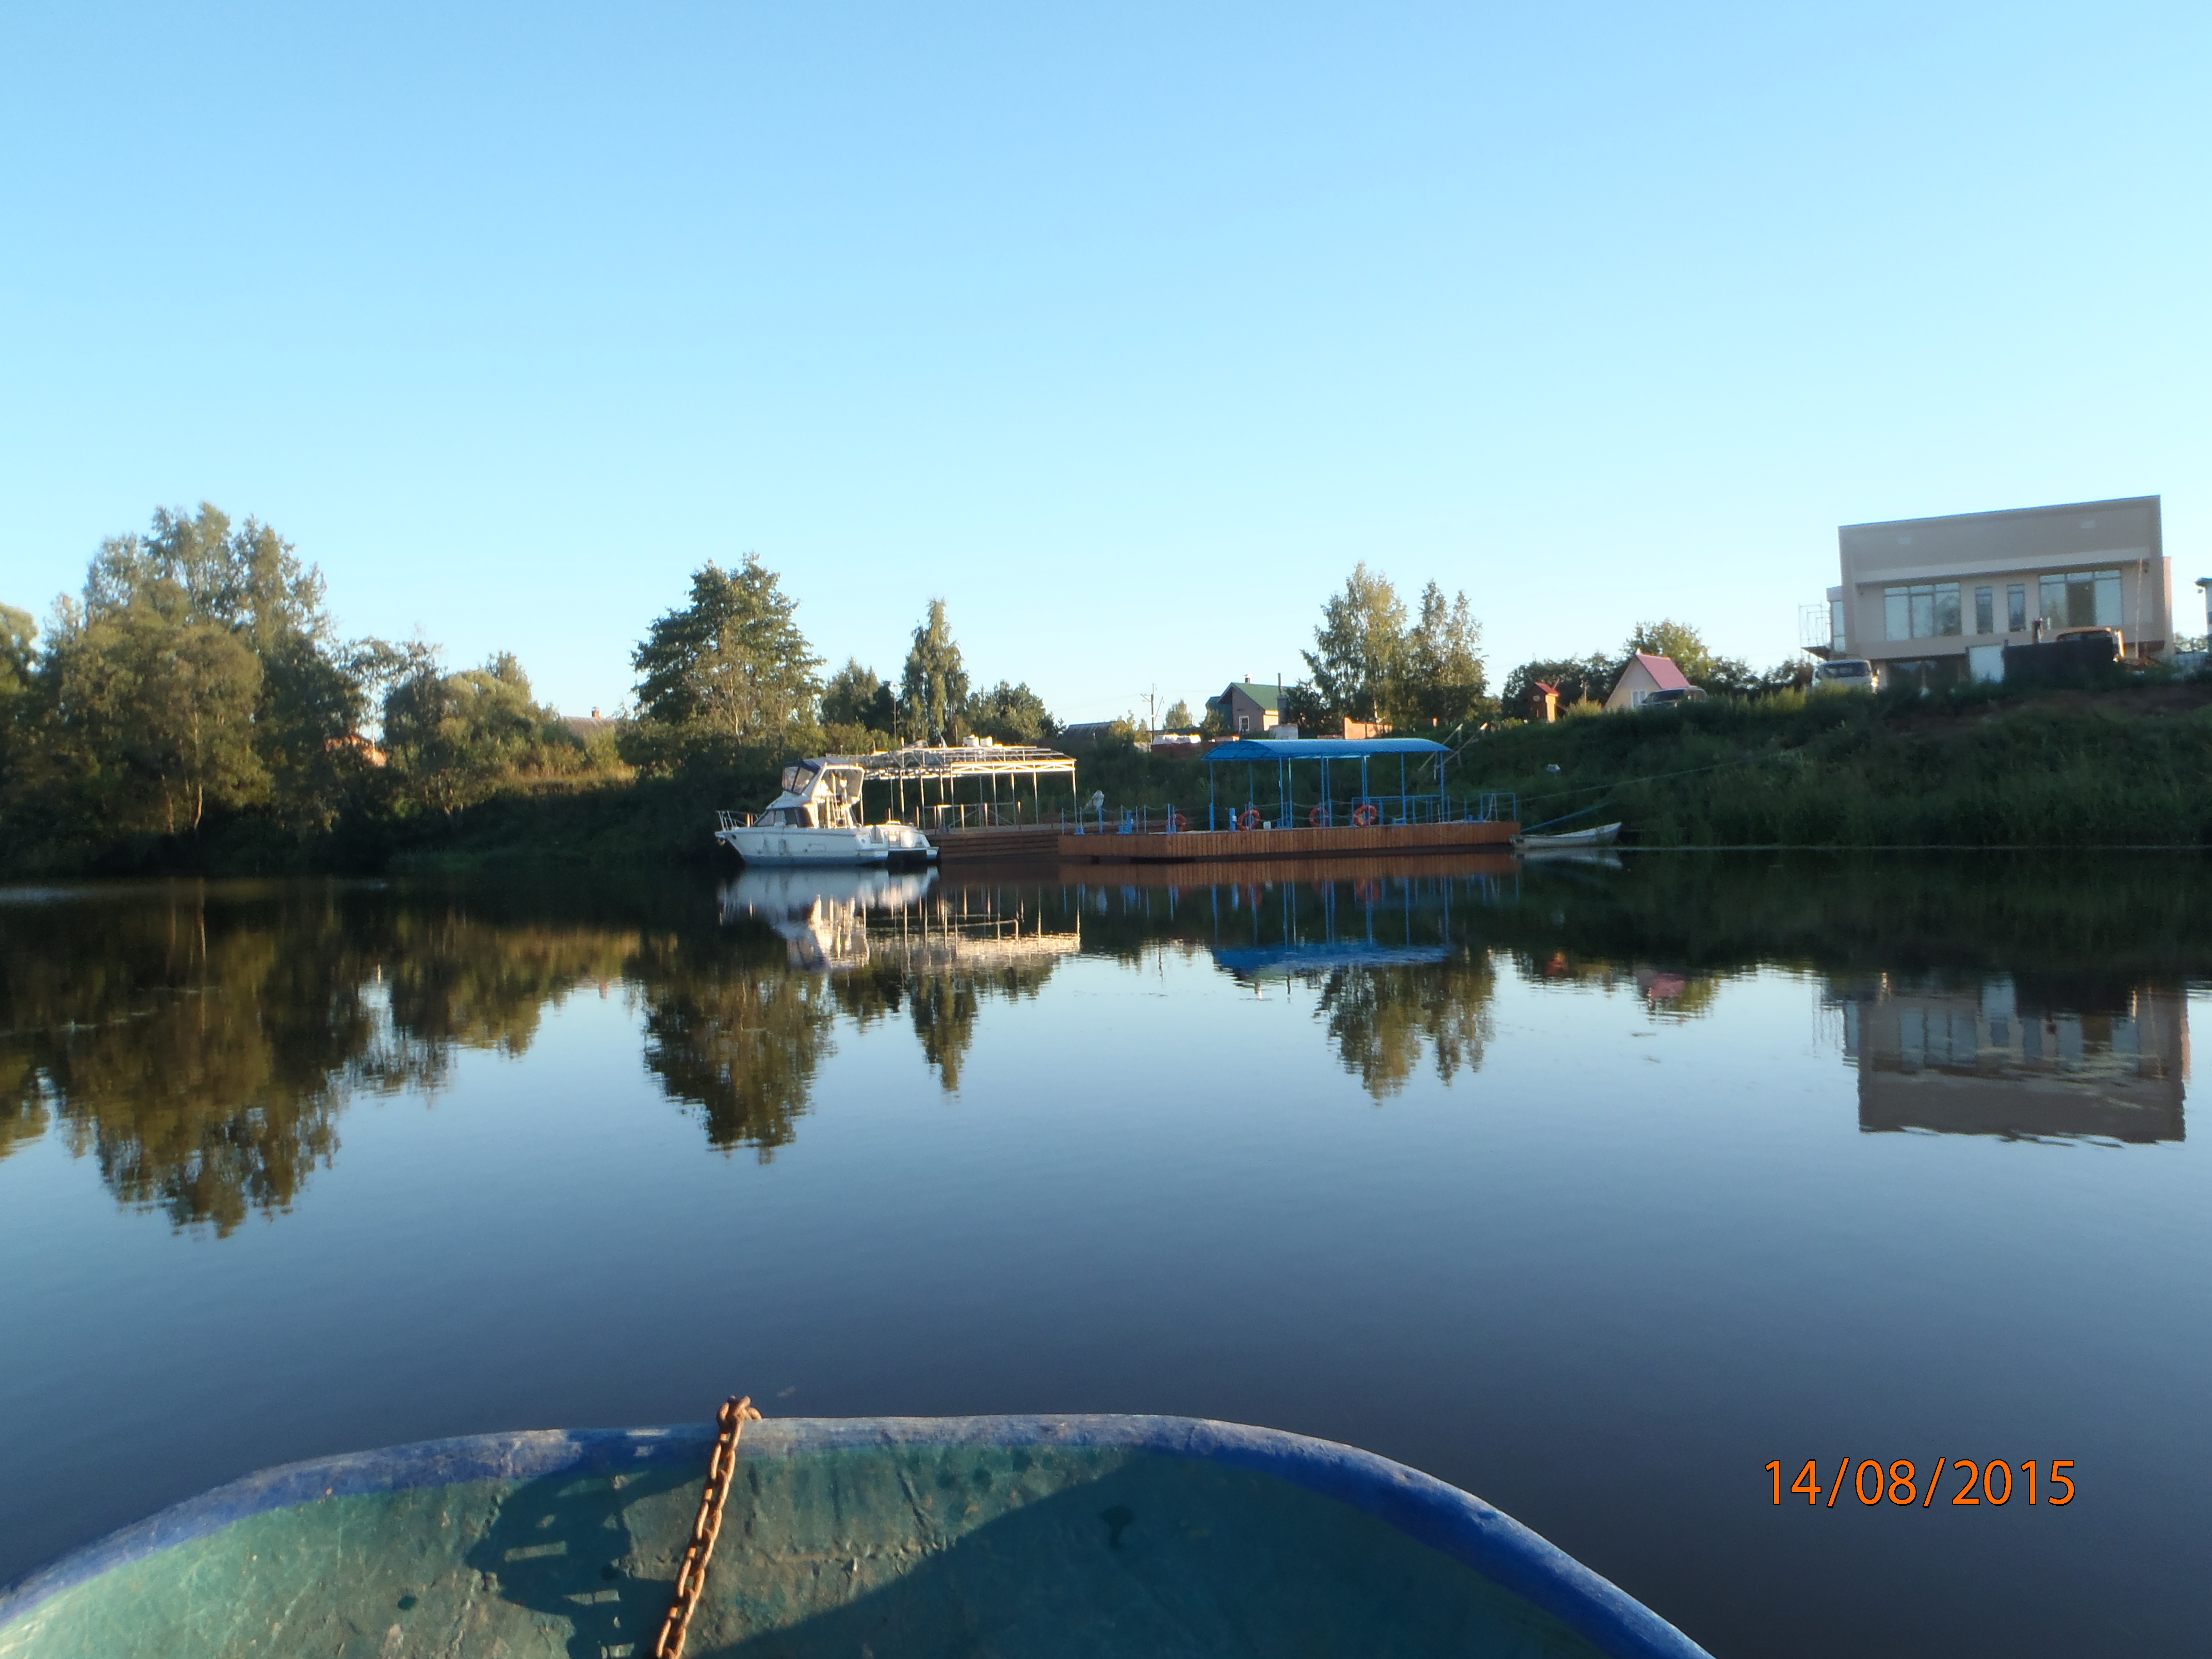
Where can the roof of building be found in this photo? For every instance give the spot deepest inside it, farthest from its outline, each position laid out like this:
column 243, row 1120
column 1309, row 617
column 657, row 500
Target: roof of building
column 1266, row 695
column 1085, row 731
column 977, row 759
column 1664, row 674
column 2053, row 509
column 1247, row 749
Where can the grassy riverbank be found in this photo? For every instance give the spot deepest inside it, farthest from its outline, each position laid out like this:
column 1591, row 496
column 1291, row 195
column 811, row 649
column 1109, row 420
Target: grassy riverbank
column 2130, row 766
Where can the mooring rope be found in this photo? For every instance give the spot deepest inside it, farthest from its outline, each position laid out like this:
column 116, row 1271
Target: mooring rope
column 691, row 1577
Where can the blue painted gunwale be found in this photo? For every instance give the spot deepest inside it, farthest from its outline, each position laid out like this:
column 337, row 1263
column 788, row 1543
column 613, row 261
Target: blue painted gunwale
column 1422, row 1507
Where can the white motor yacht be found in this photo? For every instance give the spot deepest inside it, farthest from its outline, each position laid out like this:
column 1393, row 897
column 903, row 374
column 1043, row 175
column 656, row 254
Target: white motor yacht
column 817, row 820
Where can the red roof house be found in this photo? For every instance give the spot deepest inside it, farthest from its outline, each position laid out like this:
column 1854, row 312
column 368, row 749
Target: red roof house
column 1645, row 674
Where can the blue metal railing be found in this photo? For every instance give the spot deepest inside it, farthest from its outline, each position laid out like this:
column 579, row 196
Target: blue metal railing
column 1491, row 807
column 1497, row 806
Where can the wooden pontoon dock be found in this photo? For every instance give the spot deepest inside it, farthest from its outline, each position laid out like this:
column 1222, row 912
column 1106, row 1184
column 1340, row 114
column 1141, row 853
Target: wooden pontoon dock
column 1211, row 845
column 1270, row 799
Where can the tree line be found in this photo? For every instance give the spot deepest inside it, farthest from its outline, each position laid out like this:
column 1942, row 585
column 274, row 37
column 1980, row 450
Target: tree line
column 1421, row 667
column 197, row 688
column 1373, row 660
column 733, row 667
column 1584, row 683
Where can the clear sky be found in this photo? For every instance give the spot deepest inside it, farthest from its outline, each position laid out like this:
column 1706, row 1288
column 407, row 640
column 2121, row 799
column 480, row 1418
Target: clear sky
column 1125, row 328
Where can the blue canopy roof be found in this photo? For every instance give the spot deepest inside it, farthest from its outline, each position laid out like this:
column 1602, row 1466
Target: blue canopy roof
column 1252, row 749
column 1350, row 954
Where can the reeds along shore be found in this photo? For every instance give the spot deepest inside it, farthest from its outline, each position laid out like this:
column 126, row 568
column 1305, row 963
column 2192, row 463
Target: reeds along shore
column 2131, row 767
column 2126, row 767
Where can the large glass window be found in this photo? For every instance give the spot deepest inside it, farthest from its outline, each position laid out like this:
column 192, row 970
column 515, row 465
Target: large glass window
column 2081, row 598
column 2016, row 608
column 1836, row 632
column 1924, row 611
column 1985, row 611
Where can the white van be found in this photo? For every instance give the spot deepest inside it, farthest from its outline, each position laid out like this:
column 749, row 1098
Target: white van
column 1844, row 674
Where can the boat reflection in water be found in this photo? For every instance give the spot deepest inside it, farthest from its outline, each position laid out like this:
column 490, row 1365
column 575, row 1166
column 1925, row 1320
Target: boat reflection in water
column 835, row 921
column 2104, row 1062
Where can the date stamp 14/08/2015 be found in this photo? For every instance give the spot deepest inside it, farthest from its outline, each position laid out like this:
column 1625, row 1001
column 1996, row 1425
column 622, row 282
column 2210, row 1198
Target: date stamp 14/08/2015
column 1899, row 1483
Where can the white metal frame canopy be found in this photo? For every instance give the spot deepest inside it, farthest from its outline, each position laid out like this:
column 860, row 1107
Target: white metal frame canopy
column 942, row 767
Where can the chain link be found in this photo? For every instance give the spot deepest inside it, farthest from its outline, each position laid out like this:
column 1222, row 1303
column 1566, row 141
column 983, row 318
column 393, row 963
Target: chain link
column 691, row 1577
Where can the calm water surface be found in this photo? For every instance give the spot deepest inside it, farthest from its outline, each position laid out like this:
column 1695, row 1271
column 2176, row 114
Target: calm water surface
column 1590, row 1190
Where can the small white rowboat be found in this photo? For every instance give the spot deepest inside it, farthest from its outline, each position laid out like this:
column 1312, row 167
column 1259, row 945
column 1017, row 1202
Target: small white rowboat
column 1574, row 841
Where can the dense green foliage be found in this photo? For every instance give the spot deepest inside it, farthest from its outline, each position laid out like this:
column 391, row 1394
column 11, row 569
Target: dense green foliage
column 1590, row 679
column 2130, row 765
column 1576, row 679
column 2126, row 767
column 731, row 665
column 1370, row 664
column 933, row 692
column 857, row 696
column 198, row 676
column 1011, row 713
column 194, row 707
column 456, row 740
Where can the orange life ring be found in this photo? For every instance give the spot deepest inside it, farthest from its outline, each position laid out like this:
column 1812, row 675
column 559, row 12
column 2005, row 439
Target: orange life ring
column 1251, row 819
column 1366, row 816
column 1180, row 821
column 1314, row 817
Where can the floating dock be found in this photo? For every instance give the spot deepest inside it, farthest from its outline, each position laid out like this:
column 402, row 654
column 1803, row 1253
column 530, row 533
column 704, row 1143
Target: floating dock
column 1216, row 846
column 1267, row 798
column 1008, row 844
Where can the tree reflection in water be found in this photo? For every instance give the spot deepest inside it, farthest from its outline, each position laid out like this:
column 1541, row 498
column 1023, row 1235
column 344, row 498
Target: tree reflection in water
column 132, row 1030
column 888, row 941
column 942, row 1002
column 742, row 1042
column 200, row 1044
column 1380, row 1019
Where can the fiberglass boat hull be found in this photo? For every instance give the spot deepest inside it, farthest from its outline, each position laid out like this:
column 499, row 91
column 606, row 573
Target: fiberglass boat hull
column 1082, row 1537
column 875, row 845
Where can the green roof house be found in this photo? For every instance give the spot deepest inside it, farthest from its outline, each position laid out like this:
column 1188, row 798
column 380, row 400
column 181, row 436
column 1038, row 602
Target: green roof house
column 1248, row 709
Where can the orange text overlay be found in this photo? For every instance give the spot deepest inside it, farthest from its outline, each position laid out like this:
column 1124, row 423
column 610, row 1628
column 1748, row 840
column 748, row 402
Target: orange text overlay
column 1959, row 1482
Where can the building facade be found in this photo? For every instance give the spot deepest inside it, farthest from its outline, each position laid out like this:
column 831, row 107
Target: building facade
column 2109, row 1062
column 1939, row 599
column 1250, row 710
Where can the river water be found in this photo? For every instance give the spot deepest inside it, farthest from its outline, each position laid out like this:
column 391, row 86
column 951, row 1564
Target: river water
column 1593, row 1190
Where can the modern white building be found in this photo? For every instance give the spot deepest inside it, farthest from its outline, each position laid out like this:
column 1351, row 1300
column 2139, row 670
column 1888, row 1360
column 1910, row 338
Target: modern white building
column 1939, row 599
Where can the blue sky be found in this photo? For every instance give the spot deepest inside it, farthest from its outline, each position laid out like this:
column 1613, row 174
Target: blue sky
column 1127, row 330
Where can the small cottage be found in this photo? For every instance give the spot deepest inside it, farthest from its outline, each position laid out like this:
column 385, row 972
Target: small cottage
column 1250, row 710
column 1645, row 674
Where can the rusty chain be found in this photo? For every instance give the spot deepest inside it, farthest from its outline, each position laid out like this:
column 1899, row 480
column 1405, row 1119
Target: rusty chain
column 691, row 1577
